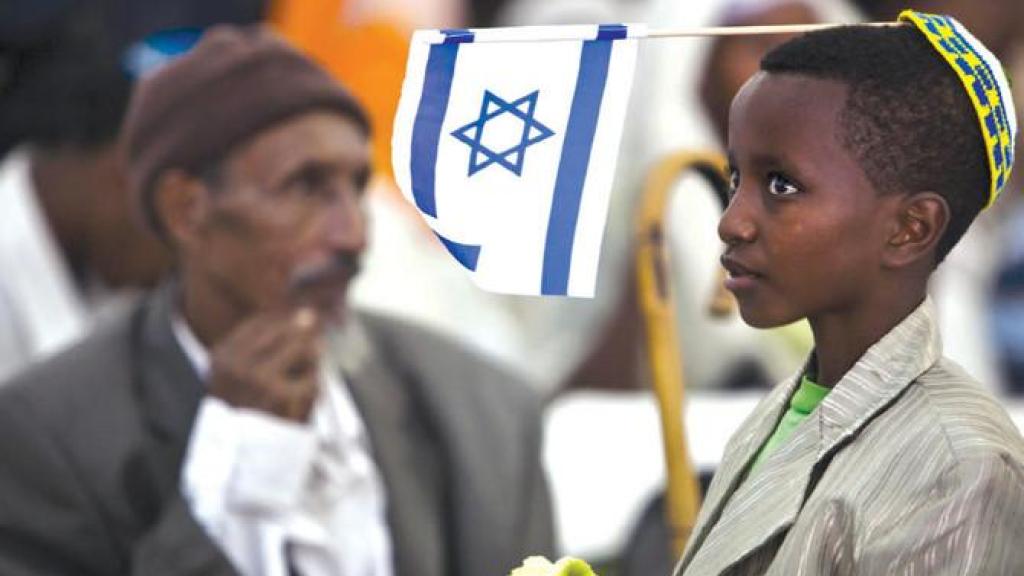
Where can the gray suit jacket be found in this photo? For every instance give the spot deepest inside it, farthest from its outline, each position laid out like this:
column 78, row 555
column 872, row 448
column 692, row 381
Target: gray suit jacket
column 91, row 445
column 906, row 467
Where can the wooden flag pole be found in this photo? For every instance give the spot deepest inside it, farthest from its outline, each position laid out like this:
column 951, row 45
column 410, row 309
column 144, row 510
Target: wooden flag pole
column 578, row 33
column 750, row 30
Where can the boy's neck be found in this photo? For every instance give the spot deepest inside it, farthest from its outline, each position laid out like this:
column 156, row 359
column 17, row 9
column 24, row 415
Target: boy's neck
column 841, row 339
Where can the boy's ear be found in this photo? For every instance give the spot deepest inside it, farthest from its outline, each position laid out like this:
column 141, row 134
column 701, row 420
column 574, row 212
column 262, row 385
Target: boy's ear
column 920, row 221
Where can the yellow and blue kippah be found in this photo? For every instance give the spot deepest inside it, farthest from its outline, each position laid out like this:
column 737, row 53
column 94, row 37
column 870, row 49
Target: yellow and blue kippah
column 986, row 84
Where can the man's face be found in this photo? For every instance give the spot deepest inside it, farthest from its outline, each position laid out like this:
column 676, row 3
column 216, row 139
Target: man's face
column 284, row 224
column 804, row 229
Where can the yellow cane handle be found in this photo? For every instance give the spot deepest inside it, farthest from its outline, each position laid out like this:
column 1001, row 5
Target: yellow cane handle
column 655, row 292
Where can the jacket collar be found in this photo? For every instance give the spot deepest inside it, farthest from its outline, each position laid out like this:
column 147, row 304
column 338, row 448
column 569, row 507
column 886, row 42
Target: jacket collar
column 169, row 387
column 881, row 374
column 404, row 448
column 167, row 391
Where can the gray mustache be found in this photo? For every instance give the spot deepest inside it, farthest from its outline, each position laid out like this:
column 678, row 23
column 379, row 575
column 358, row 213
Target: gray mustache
column 340, row 264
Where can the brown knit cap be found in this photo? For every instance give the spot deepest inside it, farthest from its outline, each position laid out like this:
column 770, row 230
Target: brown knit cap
column 235, row 83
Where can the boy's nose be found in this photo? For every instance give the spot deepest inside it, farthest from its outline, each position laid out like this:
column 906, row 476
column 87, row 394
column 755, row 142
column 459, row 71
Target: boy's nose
column 736, row 225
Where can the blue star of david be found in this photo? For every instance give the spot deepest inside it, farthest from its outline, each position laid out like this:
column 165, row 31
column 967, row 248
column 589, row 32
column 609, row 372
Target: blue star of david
column 511, row 158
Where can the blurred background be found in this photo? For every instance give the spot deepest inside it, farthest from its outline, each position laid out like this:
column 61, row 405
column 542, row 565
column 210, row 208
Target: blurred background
column 72, row 250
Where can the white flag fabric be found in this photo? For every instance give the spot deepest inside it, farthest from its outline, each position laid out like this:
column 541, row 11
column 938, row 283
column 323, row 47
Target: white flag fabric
column 506, row 139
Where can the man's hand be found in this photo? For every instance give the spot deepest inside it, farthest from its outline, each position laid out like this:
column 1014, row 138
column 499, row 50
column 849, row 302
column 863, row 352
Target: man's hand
column 269, row 363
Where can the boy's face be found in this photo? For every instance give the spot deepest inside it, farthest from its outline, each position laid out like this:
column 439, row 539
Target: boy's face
column 805, row 229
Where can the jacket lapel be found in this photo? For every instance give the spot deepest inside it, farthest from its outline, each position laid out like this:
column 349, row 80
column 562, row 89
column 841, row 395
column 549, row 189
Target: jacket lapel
column 739, row 513
column 453, row 481
column 879, row 377
column 404, row 451
column 168, row 389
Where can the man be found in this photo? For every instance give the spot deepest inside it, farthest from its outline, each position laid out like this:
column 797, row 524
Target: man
column 68, row 240
column 218, row 428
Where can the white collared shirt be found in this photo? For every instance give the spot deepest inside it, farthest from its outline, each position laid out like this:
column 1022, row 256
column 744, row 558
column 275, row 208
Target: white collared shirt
column 260, row 484
column 41, row 310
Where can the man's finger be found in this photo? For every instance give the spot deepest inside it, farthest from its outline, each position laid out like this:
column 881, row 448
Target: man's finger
column 297, row 402
column 296, row 358
column 263, row 334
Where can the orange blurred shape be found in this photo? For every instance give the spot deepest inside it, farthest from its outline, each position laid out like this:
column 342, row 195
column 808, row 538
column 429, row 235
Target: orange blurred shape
column 368, row 57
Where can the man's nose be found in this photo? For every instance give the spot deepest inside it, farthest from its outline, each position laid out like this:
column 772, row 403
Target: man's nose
column 345, row 225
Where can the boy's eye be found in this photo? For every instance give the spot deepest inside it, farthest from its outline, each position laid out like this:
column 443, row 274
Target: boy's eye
column 734, row 181
column 779, row 185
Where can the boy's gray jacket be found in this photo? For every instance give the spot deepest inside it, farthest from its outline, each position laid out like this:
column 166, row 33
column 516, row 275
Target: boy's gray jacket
column 907, row 467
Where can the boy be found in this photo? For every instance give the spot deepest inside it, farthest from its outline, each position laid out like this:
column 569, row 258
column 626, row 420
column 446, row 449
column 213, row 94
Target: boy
column 859, row 157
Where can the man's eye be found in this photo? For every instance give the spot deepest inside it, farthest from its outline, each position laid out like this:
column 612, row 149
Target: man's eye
column 734, row 182
column 779, row 185
column 314, row 183
column 361, row 179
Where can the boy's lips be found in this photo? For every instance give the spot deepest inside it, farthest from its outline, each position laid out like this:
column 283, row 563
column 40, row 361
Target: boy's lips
column 741, row 275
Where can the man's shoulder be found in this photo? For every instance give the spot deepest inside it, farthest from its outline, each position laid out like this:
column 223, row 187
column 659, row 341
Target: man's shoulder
column 477, row 403
column 445, row 363
column 77, row 382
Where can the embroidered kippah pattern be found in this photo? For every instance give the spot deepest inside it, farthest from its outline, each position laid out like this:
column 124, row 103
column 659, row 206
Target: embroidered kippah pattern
column 983, row 77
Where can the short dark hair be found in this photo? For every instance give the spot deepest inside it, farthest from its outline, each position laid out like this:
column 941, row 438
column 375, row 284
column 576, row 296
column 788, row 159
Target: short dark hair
column 66, row 88
column 63, row 75
column 907, row 118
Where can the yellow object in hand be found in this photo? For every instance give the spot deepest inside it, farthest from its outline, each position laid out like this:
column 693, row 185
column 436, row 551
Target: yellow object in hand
column 540, row 566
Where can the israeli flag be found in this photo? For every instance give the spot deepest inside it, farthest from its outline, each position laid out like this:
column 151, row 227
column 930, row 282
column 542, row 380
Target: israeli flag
column 506, row 139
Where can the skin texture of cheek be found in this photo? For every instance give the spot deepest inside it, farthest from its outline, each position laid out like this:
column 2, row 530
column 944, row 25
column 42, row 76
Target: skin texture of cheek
column 245, row 259
column 833, row 270
column 807, row 273
column 263, row 246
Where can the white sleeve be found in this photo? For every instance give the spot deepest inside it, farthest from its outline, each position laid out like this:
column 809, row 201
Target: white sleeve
column 244, row 469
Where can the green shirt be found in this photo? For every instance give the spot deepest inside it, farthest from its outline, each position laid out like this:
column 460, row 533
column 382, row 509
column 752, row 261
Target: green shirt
column 804, row 401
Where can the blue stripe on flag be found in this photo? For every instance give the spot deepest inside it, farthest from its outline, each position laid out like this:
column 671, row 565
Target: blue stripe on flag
column 466, row 254
column 611, row 32
column 572, row 168
column 457, row 35
column 426, row 131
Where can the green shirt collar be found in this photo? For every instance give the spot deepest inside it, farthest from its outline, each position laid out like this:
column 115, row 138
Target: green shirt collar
column 808, row 396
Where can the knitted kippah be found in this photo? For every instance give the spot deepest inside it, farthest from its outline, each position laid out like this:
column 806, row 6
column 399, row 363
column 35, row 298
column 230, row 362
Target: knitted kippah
column 985, row 82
